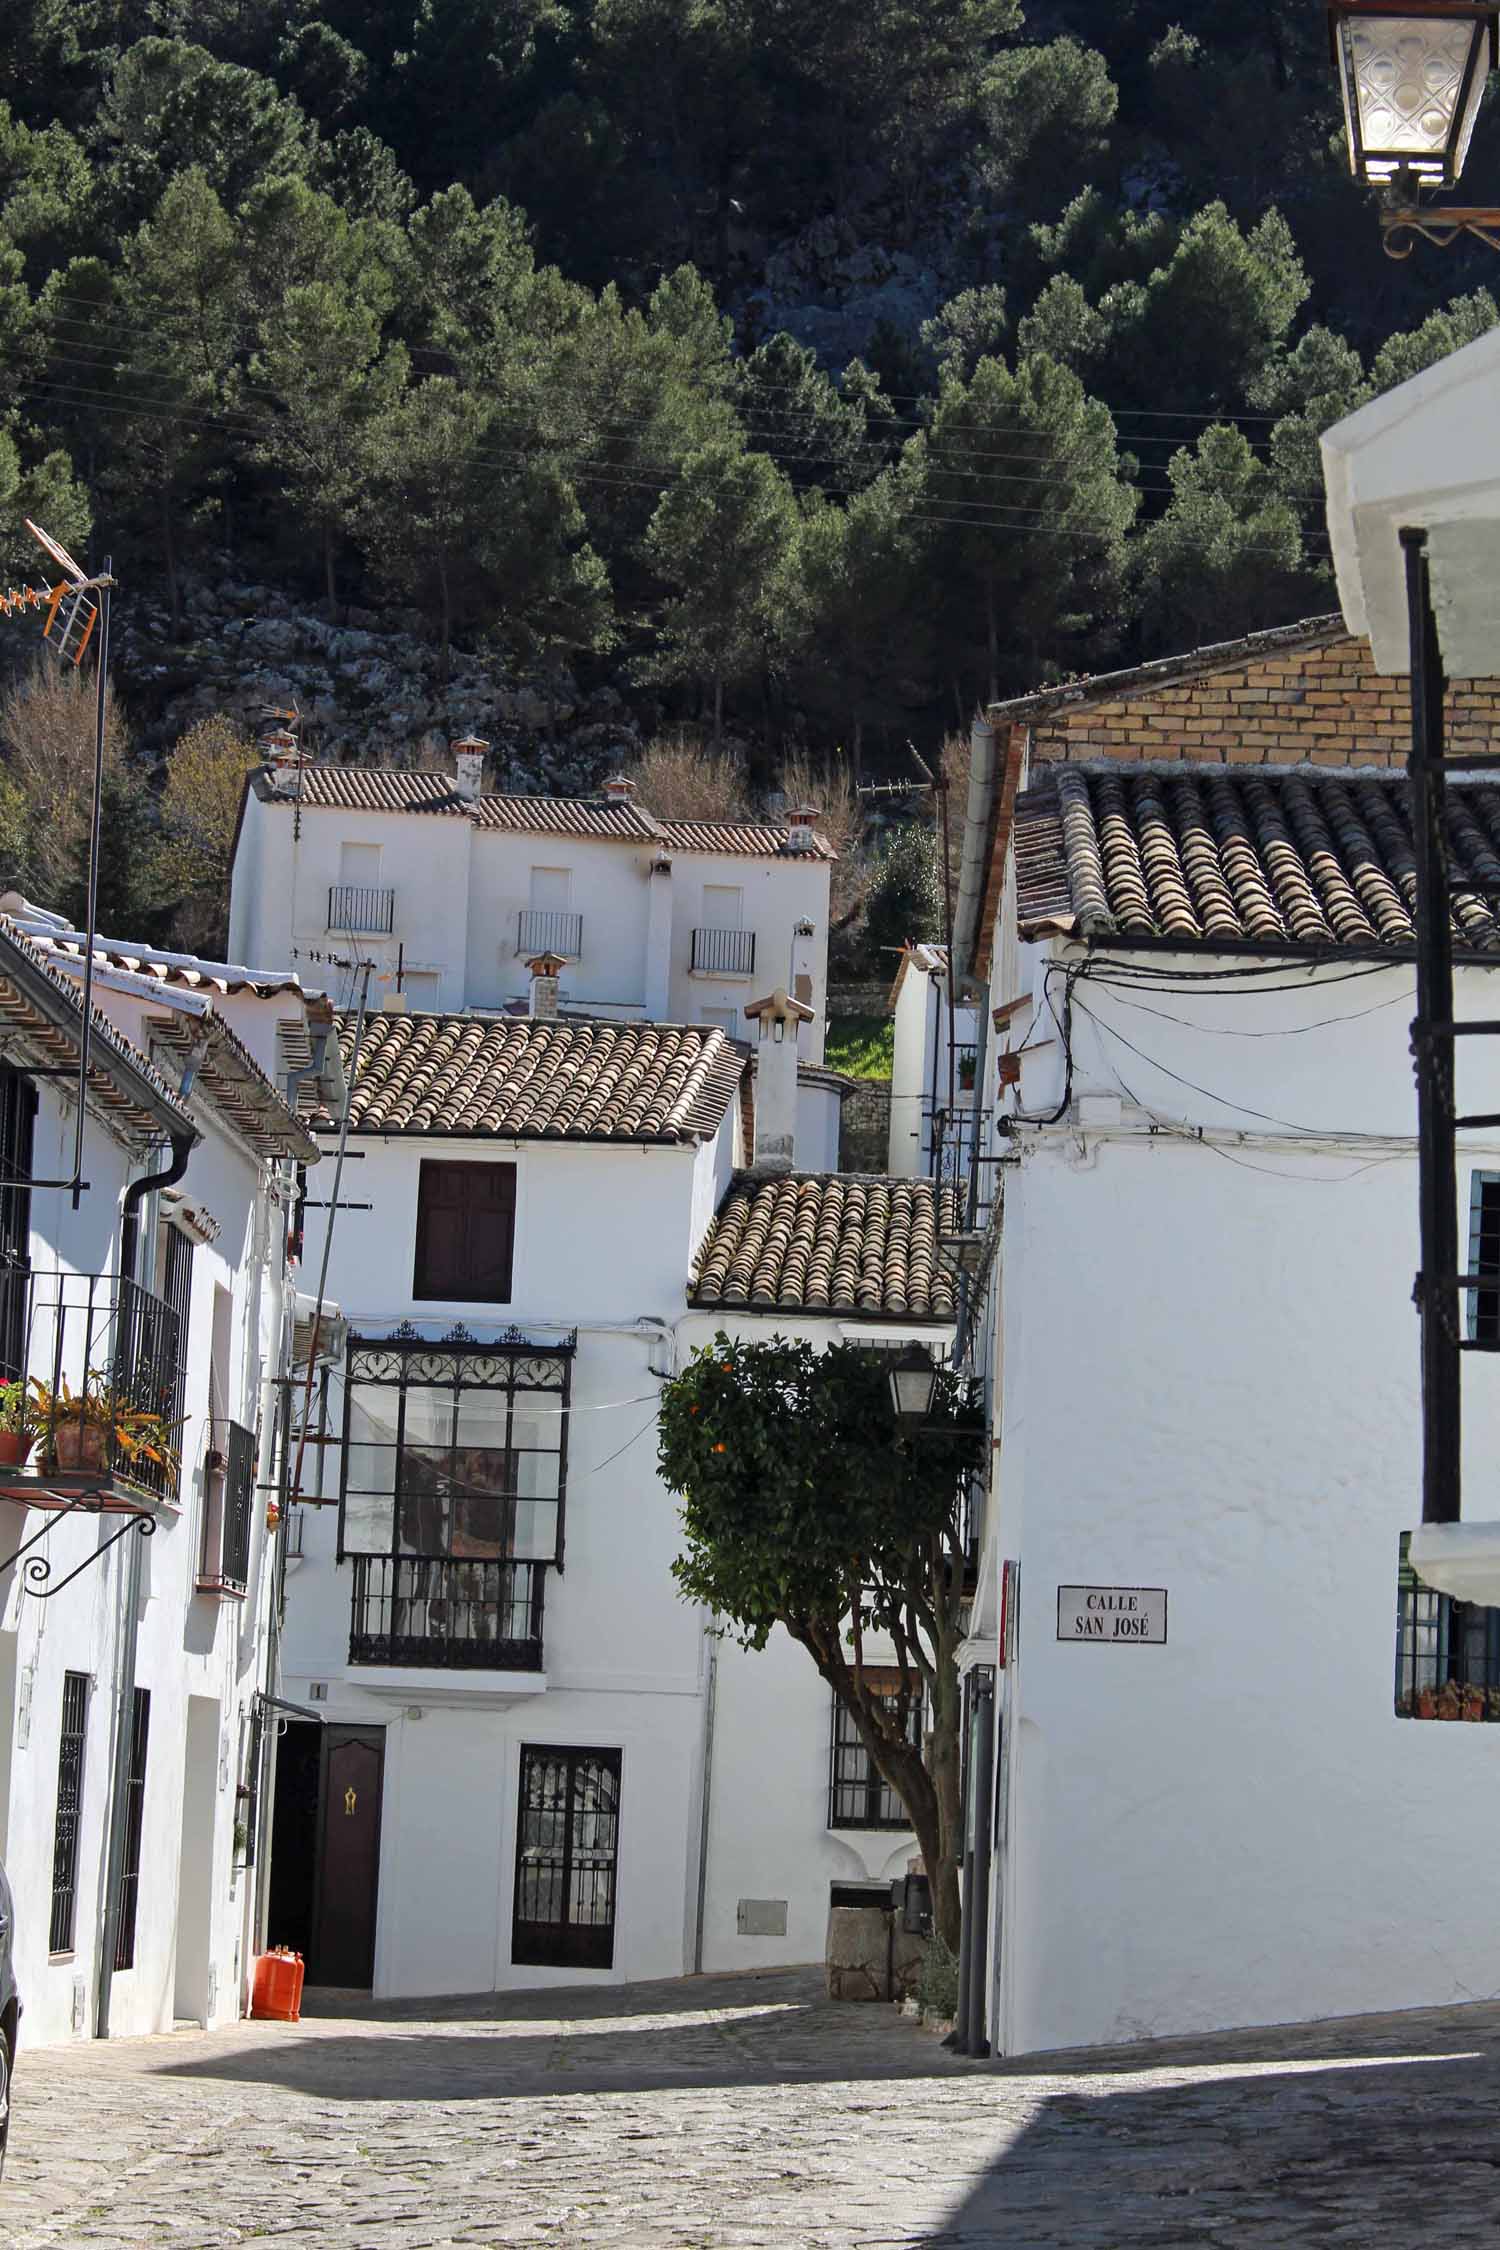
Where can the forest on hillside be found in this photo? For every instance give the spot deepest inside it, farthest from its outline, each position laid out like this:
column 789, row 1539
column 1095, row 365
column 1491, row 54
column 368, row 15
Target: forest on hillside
column 808, row 368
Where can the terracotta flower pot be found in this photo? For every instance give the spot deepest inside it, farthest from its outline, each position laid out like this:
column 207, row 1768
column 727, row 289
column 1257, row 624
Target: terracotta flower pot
column 14, row 1447
column 78, row 1445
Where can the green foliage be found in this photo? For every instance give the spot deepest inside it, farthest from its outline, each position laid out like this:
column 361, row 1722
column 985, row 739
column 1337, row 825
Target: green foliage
column 906, row 896
column 937, row 1986
column 746, row 1434
column 861, row 1046
column 1226, row 558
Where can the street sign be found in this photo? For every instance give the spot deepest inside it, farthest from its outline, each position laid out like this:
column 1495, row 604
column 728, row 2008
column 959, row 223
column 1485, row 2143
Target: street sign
column 1112, row 1613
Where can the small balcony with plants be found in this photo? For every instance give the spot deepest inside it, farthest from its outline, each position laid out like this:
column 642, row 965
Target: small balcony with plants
column 92, row 1395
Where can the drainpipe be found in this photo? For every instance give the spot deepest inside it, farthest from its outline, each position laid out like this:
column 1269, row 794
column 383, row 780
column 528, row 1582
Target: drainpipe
column 976, row 1898
column 119, row 1784
column 709, row 1701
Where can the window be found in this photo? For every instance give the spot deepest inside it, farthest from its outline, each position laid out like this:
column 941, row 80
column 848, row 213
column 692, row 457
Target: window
column 135, row 1810
column 551, row 890
column 454, row 1450
column 858, row 1798
column 70, row 1748
column 1484, row 1256
column 727, row 1020
column 359, row 864
column 466, row 1229
column 547, row 924
column 567, row 1848
column 723, row 906
column 420, row 989
column 1447, row 1653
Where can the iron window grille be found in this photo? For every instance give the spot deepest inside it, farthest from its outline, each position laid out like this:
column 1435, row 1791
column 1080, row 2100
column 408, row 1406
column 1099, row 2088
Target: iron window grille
column 1484, row 1257
column 135, row 1814
column 70, row 1754
column 567, row 1852
column 858, row 1797
column 1447, row 1653
column 452, row 1497
column 366, row 909
column 17, row 1128
column 546, row 929
column 228, row 1503
column 724, row 953
column 250, row 1788
column 103, row 1339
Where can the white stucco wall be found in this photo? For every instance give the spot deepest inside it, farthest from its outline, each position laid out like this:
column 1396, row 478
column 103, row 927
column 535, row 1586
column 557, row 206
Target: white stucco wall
column 777, row 894
column 1208, row 1373
column 191, row 1645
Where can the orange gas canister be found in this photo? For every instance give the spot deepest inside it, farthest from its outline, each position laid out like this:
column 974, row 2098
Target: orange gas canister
column 276, row 1992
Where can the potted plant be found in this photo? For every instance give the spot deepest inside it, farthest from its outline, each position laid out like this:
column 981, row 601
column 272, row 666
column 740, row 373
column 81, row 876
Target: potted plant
column 83, row 1428
column 968, row 1066
column 17, row 1423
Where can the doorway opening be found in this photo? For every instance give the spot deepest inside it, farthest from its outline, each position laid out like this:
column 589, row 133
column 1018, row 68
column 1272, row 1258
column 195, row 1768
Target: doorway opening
column 325, row 1849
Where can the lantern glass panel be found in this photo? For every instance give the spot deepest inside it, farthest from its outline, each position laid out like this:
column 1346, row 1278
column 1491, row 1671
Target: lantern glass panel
column 1412, row 87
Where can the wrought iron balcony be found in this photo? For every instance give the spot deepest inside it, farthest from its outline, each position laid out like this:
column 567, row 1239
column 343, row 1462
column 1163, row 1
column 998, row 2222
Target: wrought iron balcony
column 366, row 909
column 228, row 1509
column 545, row 930
column 454, row 1612
column 724, row 953
column 102, row 1364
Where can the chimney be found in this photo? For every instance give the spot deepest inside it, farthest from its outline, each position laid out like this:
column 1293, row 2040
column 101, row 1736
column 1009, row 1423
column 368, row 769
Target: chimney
column 777, row 1019
column 545, row 971
column 469, row 755
column 619, row 789
column 279, row 749
column 799, row 827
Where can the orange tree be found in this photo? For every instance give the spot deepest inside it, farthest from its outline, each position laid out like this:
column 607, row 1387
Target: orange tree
column 805, row 1505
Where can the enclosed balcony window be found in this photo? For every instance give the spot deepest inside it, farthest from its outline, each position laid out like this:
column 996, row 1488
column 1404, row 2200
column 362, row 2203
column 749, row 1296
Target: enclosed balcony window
column 454, row 1478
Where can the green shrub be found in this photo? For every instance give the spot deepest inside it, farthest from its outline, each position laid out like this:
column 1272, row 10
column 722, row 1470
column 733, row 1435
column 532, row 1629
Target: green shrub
column 937, row 1986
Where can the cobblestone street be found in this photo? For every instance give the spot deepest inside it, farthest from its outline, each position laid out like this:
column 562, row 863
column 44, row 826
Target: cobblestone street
column 744, row 2111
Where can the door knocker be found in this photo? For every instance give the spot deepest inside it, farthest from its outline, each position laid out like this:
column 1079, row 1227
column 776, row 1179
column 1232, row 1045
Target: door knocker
column 350, row 1801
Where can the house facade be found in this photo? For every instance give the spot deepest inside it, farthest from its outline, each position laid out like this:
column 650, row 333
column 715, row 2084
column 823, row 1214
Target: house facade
column 1191, row 924
column 451, row 890
column 545, row 1216
column 137, row 1561
column 934, row 1059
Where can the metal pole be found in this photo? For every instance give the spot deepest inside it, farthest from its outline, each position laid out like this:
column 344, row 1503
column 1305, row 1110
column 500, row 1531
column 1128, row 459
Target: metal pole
column 959, row 2037
column 119, row 1784
column 977, row 1895
column 1436, row 1291
column 92, row 907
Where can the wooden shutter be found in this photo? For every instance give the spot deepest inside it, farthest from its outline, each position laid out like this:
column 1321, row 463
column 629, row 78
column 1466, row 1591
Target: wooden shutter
column 466, row 1226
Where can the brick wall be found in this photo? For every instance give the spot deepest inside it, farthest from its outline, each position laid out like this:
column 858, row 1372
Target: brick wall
column 1321, row 704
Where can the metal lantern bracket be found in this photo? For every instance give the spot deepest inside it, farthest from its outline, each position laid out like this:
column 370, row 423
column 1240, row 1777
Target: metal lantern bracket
column 39, row 1569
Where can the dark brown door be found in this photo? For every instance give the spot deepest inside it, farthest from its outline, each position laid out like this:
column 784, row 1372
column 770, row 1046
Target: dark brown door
column 343, row 1949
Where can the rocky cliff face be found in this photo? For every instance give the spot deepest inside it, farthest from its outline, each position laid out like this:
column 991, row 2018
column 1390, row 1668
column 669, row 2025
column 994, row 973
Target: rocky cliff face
column 363, row 685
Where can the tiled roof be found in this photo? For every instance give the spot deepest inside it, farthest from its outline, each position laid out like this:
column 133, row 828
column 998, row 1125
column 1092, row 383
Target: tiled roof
column 1294, row 859
column 746, row 837
column 179, row 969
column 527, row 1079
column 829, row 1242
column 41, row 1002
column 228, row 1075
column 380, row 789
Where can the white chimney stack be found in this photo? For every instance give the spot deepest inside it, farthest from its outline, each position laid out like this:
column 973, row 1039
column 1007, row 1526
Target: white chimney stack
column 545, row 971
column 777, row 1020
column 468, row 764
column 800, row 835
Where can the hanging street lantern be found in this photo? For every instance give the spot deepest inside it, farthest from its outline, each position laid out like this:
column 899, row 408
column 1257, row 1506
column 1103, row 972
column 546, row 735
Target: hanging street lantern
column 1412, row 74
column 913, row 1380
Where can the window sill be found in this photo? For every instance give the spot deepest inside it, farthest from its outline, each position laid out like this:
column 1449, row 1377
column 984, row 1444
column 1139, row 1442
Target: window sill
column 221, row 1589
column 60, row 1960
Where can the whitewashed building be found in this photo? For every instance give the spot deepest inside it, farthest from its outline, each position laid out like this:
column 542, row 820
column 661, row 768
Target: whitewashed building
column 934, row 1061
column 136, row 1589
column 1192, row 1311
column 451, row 889
column 535, row 1762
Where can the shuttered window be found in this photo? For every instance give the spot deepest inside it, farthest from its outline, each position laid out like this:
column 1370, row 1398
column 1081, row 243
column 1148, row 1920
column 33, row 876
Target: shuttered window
column 466, row 1228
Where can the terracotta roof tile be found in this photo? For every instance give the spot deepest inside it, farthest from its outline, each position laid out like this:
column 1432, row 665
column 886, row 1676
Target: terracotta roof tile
column 382, row 789
column 838, row 1243
column 1288, row 859
column 524, row 1079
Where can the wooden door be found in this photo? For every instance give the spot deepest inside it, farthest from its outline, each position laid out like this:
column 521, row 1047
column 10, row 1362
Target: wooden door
column 343, row 1948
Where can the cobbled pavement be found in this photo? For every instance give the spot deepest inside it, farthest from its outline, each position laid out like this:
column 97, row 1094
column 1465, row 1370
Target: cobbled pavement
column 723, row 2113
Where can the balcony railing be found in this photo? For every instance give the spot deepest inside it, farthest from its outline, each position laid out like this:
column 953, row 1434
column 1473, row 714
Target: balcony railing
column 371, row 911
column 228, row 1502
column 544, row 930
column 724, row 953
column 447, row 1611
column 102, row 1361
